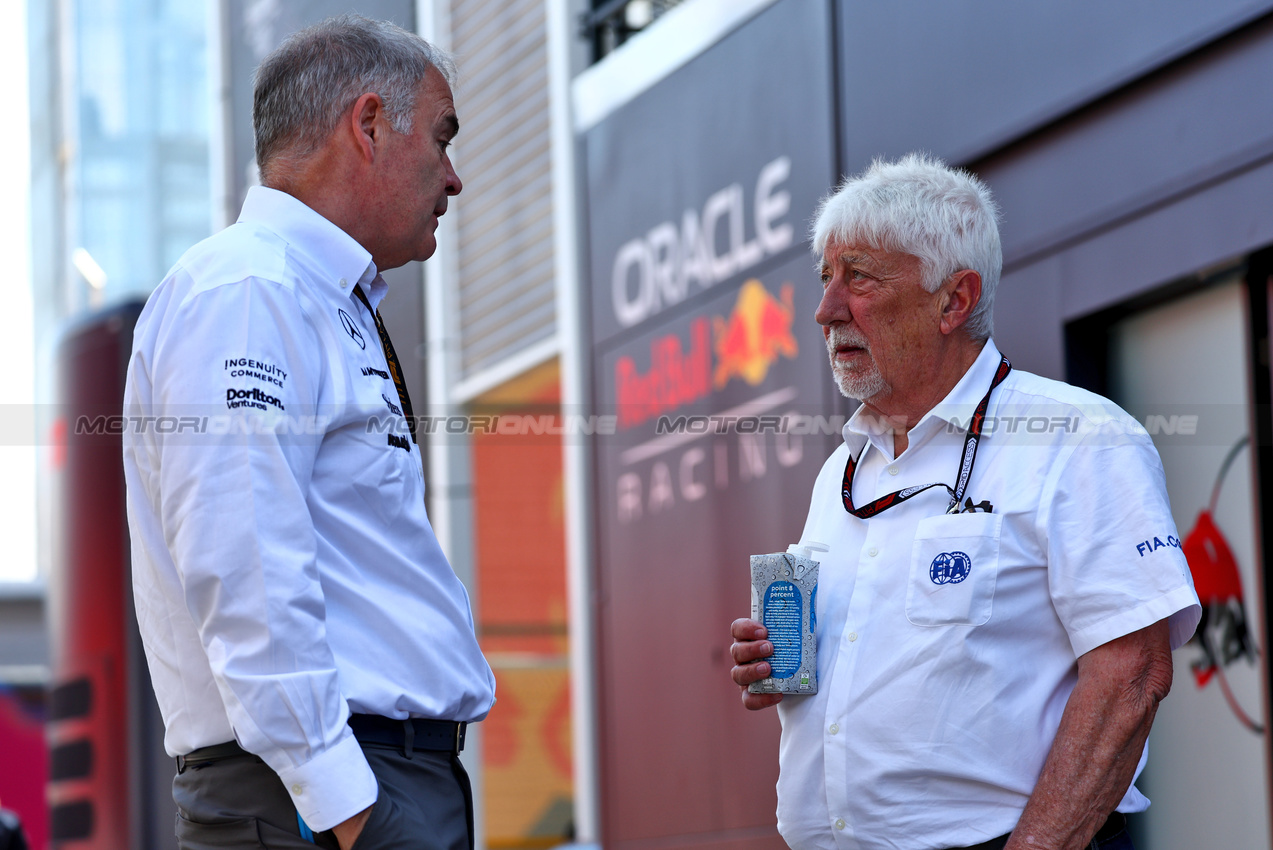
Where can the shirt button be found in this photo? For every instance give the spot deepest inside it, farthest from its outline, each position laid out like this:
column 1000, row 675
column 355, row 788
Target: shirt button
column 892, row 470
column 839, row 823
column 853, row 636
column 872, row 551
column 297, row 788
column 834, row 728
column 343, row 283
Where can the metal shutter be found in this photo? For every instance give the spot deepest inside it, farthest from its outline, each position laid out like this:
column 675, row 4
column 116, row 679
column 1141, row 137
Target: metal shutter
column 504, row 215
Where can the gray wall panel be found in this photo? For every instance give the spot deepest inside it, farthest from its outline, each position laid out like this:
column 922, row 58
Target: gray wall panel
column 1192, row 123
column 1027, row 313
column 1220, row 222
column 960, row 78
column 1167, row 177
column 1212, row 226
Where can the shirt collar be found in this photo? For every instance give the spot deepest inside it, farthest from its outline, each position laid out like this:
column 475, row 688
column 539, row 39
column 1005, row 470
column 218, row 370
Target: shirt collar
column 961, row 402
column 331, row 248
column 955, row 409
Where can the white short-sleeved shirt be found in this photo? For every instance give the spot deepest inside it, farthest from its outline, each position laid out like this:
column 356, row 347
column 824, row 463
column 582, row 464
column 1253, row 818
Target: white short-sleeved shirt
column 938, row 699
column 284, row 570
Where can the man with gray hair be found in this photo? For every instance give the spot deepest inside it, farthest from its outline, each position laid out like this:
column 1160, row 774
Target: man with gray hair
column 1003, row 584
column 311, row 649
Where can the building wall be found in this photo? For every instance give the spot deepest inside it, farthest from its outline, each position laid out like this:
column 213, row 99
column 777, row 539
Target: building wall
column 1130, row 149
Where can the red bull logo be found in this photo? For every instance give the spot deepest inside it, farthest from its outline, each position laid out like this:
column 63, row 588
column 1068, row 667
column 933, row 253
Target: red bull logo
column 675, row 377
column 1223, row 634
column 755, row 335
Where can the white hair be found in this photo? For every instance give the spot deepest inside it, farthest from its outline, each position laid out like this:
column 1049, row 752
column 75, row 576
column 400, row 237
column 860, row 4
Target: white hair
column 918, row 205
column 301, row 90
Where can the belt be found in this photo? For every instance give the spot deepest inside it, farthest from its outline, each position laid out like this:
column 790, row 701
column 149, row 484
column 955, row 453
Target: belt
column 414, row 734
column 205, row 755
column 1113, row 825
column 439, row 736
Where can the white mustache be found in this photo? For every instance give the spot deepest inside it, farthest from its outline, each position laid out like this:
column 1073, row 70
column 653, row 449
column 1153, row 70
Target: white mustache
column 843, row 336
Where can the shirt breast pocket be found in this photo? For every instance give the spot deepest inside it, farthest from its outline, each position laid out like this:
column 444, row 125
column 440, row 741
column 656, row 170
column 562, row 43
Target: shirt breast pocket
column 954, row 565
column 381, row 483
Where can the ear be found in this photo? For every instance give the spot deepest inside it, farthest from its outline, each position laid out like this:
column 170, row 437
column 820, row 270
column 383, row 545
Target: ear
column 961, row 294
column 366, row 122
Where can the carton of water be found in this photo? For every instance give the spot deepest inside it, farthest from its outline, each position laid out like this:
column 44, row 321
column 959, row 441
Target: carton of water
column 784, row 596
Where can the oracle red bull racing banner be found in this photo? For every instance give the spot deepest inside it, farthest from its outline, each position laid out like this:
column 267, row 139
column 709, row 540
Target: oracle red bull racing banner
column 702, row 291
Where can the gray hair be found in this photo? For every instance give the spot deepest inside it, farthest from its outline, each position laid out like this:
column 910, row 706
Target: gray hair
column 301, row 90
column 920, row 206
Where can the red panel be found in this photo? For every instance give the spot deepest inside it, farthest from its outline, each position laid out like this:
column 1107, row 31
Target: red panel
column 88, row 597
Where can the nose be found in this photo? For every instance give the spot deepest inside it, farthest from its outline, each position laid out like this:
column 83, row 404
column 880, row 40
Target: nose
column 453, row 184
column 834, row 306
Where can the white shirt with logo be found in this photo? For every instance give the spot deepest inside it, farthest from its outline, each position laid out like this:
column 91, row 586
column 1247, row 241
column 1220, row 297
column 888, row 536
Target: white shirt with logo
column 285, row 573
column 947, row 644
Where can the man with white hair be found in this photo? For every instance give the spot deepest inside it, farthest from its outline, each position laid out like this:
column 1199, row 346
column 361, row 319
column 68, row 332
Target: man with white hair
column 1004, row 583
column 311, row 649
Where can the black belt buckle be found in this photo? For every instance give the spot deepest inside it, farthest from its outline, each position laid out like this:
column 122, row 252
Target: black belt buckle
column 460, row 730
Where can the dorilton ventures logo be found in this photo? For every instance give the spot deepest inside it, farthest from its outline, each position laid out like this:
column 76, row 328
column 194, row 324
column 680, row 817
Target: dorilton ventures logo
column 746, row 344
column 250, row 398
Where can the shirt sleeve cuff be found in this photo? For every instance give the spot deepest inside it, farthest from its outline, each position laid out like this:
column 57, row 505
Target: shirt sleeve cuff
column 333, row 786
column 1179, row 607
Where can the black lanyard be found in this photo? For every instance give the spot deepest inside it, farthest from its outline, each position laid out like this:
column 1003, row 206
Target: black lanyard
column 391, row 358
column 965, row 466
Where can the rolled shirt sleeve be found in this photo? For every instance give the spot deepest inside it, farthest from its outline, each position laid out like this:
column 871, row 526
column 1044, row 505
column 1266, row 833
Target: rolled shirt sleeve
column 234, row 514
column 1115, row 559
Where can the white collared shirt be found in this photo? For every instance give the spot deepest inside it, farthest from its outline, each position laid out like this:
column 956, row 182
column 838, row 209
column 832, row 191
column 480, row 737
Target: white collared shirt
column 285, row 573
column 940, row 687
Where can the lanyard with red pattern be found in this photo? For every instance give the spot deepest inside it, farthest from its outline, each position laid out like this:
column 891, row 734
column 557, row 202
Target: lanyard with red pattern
column 965, row 467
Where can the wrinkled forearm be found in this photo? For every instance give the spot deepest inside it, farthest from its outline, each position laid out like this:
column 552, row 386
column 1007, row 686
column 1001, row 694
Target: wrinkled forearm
column 1099, row 742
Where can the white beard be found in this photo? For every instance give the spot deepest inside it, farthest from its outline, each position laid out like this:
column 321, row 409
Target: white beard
column 860, row 383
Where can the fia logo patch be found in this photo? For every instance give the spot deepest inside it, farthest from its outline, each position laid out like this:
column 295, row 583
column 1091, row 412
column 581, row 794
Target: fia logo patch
column 950, row 568
column 347, row 322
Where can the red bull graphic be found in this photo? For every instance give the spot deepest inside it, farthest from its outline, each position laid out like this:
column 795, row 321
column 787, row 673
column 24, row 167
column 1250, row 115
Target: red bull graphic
column 746, row 344
column 1222, row 635
column 757, row 333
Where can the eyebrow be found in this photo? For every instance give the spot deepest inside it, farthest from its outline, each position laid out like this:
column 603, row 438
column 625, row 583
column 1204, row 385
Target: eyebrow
column 452, row 123
column 848, row 257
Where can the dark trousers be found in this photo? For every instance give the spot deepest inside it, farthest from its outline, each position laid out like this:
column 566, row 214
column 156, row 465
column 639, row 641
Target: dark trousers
column 1112, row 836
column 425, row 803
